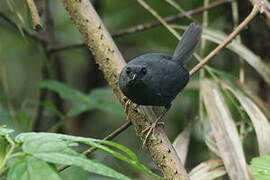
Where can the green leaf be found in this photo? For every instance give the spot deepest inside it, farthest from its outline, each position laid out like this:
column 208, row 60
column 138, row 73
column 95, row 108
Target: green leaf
column 3, row 148
column 97, row 99
column 238, row 48
column 86, row 164
column 55, row 150
column 44, row 145
column 25, row 137
column 31, row 168
column 260, row 167
column 4, row 131
column 63, row 90
column 73, row 173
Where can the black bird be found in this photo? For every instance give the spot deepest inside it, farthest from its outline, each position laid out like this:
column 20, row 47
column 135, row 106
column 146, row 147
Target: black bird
column 155, row 79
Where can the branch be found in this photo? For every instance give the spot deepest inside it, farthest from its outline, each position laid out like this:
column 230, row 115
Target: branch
column 179, row 8
column 263, row 6
column 111, row 63
column 27, row 32
column 253, row 13
column 146, row 26
column 160, row 19
column 51, row 61
column 108, row 138
column 168, row 19
column 37, row 25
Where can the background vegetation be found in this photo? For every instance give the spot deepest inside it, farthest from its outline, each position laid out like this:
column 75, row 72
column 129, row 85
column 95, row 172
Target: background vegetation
column 46, row 88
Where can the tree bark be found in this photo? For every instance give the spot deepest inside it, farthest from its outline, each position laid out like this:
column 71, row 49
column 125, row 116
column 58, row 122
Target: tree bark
column 111, row 62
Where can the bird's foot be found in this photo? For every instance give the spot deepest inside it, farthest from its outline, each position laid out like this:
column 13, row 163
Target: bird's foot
column 126, row 106
column 151, row 129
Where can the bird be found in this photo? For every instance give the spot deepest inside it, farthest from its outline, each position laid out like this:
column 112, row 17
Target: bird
column 155, row 79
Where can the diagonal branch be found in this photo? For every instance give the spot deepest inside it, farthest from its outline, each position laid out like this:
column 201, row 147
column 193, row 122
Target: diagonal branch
column 108, row 138
column 146, row 26
column 253, row 13
column 37, row 25
column 160, row 19
column 27, row 32
column 111, row 62
column 168, row 19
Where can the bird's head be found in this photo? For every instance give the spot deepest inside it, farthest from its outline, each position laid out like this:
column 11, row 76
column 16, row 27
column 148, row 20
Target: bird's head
column 135, row 73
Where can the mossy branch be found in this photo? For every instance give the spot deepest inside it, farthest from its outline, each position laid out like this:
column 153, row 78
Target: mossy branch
column 111, row 62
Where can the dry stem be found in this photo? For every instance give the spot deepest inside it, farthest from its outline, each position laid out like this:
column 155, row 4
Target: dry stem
column 253, row 13
column 37, row 25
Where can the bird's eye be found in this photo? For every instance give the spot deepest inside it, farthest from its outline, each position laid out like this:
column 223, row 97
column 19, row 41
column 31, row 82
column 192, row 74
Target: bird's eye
column 143, row 70
column 128, row 70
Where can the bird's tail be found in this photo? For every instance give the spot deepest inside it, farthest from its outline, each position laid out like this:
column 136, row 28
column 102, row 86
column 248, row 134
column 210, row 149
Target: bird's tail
column 187, row 44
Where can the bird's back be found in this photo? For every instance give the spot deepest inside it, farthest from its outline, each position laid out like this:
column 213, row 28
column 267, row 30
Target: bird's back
column 164, row 79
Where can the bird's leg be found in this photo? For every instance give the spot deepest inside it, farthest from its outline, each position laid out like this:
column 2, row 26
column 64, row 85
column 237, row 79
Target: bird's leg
column 154, row 124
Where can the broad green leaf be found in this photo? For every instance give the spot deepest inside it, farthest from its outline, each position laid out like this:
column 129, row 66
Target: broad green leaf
column 76, row 160
column 131, row 159
column 31, row 168
column 4, row 131
column 44, row 145
column 260, row 167
column 225, row 132
column 97, row 99
column 55, row 150
column 74, row 172
column 64, row 91
column 57, row 139
column 238, row 48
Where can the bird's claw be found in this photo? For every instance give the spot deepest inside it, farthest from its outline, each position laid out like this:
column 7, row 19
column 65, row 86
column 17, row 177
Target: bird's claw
column 151, row 129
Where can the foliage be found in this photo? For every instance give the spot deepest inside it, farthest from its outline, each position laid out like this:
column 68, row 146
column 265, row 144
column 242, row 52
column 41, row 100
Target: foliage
column 233, row 111
column 43, row 152
column 97, row 99
column 260, row 167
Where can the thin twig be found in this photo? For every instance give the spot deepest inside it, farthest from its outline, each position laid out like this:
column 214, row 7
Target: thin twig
column 27, row 32
column 263, row 6
column 37, row 25
column 202, row 72
column 107, row 138
column 168, row 19
column 146, row 26
column 45, row 69
column 179, row 8
column 160, row 19
column 66, row 47
column 235, row 15
column 253, row 13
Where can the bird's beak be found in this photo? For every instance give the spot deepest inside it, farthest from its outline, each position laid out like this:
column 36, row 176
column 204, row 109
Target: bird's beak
column 133, row 77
